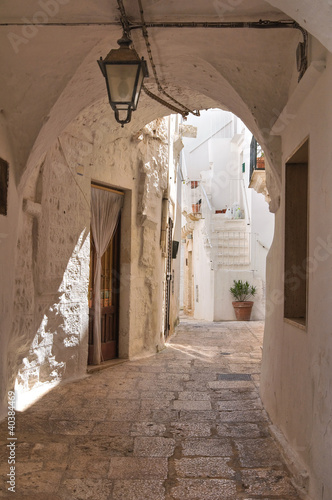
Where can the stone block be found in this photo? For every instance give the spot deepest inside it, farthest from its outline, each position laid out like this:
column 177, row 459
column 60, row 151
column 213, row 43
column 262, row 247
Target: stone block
column 242, row 416
column 207, row 489
column 138, row 490
column 86, row 489
column 204, row 467
column 207, row 447
column 147, row 429
column 187, row 430
column 192, row 405
column 242, row 405
column 240, row 430
column 154, row 447
column 138, row 468
column 268, row 483
column 261, row 452
column 193, row 396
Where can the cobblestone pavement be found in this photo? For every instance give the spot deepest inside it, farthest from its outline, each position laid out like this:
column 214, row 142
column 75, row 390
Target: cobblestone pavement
column 181, row 425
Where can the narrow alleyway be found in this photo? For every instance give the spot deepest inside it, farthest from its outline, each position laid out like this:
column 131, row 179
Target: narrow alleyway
column 185, row 424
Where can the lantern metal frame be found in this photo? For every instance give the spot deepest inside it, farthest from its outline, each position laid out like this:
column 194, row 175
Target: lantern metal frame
column 124, row 56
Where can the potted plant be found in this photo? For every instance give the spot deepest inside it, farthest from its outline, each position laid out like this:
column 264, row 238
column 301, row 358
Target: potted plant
column 241, row 292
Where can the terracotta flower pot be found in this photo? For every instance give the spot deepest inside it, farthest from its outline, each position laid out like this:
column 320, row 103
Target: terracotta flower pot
column 243, row 310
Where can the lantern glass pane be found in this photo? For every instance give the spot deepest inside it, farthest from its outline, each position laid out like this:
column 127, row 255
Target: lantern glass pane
column 121, row 81
column 138, row 88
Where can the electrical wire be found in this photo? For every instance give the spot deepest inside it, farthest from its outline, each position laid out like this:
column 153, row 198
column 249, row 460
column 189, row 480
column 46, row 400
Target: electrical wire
column 182, row 110
column 148, row 47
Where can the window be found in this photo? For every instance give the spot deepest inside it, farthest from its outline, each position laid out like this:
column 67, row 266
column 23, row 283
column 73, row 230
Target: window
column 4, row 170
column 296, row 233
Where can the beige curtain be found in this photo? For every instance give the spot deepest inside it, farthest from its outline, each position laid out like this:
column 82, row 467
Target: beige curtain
column 105, row 211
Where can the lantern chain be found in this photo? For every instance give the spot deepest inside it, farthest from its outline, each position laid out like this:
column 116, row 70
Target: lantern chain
column 164, row 103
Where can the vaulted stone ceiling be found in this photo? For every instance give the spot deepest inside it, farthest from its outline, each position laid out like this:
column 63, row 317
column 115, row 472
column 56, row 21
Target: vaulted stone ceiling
column 51, row 76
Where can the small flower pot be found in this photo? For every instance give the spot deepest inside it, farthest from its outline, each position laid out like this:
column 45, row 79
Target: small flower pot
column 243, row 310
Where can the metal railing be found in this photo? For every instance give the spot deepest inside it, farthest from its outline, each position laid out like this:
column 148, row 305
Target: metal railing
column 192, row 197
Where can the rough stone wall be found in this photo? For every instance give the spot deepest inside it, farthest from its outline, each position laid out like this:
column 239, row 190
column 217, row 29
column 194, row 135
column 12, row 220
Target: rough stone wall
column 8, row 248
column 153, row 168
column 49, row 338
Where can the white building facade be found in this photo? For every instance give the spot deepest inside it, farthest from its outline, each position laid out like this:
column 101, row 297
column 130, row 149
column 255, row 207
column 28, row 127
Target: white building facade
column 227, row 227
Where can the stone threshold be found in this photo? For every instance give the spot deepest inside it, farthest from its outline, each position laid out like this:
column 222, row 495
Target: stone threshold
column 105, row 364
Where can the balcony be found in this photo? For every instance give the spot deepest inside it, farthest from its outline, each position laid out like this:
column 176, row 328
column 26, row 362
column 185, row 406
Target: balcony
column 192, row 197
column 257, row 179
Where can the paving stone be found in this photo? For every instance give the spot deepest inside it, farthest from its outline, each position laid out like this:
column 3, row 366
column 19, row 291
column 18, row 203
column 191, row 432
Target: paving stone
column 204, row 489
column 122, row 395
column 242, row 416
column 193, row 396
column 138, row 490
column 79, row 414
column 240, row 430
column 162, row 385
column 263, row 482
column 250, row 404
column 138, row 468
column 147, row 429
column 234, row 394
column 164, row 416
column 154, row 447
column 39, row 482
column 192, row 405
column 35, row 424
column 197, row 386
column 111, row 428
column 187, row 430
column 86, row 489
column 87, row 465
column 122, row 414
column 22, row 468
column 155, row 404
column 104, row 447
column 260, row 452
column 71, row 427
column 207, row 447
column 208, row 376
column 204, row 467
column 157, row 395
column 45, row 450
column 226, row 384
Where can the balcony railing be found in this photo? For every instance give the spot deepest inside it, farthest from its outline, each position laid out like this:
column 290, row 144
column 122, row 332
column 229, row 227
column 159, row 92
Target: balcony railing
column 257, row 160
column 193, row 198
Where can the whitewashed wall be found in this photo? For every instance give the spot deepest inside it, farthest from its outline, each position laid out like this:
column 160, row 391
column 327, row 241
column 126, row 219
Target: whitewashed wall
column 296, row 372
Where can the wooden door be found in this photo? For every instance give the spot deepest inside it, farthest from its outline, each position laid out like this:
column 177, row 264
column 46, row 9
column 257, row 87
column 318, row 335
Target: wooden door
column 109, row 297
column 168, row 279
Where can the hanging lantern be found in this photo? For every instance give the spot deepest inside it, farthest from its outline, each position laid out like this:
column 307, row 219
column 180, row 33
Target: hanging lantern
column 124, row 72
